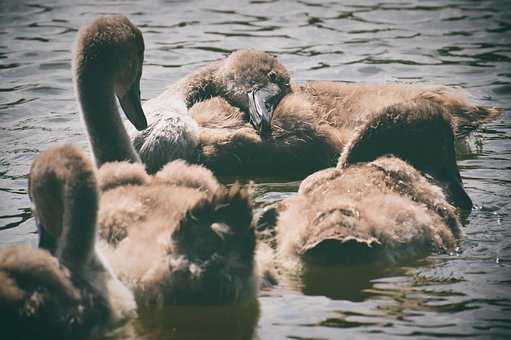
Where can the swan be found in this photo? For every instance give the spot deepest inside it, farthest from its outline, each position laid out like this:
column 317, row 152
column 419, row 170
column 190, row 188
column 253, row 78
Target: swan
column 64, row 289
column 175, row 237
column 374, row 205
column 381, row 211
column 249, row 80
column 180, row 237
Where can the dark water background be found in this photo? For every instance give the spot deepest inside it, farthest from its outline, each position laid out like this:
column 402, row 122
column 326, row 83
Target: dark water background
column 457, row 43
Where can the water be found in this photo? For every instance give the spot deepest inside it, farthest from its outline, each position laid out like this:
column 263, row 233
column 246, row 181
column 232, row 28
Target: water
column 457, row 43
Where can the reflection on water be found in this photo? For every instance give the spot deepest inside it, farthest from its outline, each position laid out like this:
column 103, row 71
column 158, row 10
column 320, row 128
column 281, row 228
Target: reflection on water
column 452, row 42
column 233, row 322
column 341, row 282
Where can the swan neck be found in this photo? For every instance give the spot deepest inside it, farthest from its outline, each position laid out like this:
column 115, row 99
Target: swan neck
column 80, row 202
column 107, row 135
column 63, row 188
column 201, row 85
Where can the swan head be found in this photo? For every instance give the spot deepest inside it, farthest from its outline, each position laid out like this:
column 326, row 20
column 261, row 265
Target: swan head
column 109, row 54
column 213, row 251
column 255, row 82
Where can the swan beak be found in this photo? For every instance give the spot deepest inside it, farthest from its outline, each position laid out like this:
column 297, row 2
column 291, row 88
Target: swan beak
column 261, row 103
column 132, row 107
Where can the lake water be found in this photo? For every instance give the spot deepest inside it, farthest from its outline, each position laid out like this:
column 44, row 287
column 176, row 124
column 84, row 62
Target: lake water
column 456, row 43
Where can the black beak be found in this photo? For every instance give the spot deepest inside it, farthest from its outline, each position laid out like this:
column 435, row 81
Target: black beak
column 262, row 102
column 132, row 107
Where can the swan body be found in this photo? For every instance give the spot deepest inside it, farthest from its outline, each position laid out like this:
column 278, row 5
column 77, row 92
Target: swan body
column 384, row 210
column 178, row 237
column 175, row 237
column 65, row 288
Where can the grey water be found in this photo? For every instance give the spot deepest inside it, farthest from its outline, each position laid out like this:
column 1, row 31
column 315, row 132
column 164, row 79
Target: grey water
column 465, row 44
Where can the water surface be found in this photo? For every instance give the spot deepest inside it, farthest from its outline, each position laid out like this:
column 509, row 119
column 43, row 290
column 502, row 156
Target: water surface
column 456, row 43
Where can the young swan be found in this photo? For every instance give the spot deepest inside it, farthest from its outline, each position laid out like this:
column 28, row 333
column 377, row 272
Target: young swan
column 384, row 210
column 178, row 237
column 63, row 290
column 249, row 81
